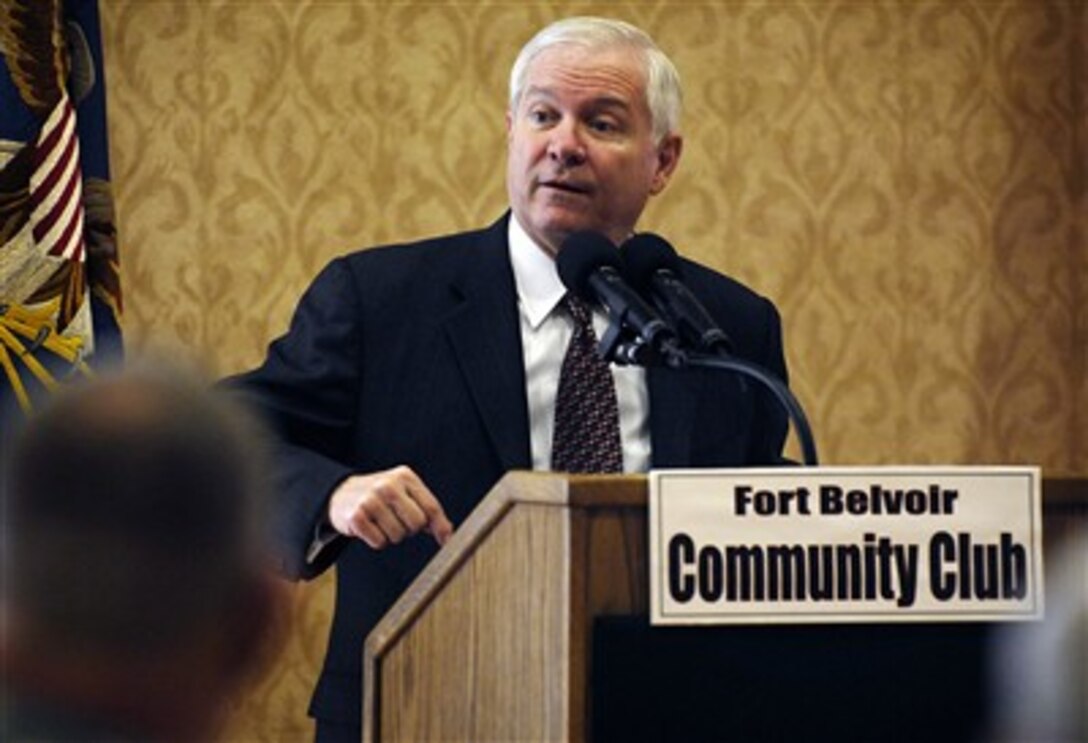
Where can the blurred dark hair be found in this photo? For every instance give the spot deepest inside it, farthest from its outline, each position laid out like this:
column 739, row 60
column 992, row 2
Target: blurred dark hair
column 133, row 514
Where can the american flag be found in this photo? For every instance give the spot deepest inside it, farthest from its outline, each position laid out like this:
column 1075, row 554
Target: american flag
column 60, row 295
column 56, row 186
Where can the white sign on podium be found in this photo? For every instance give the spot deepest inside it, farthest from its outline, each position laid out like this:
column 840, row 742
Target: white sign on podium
column 845, row 544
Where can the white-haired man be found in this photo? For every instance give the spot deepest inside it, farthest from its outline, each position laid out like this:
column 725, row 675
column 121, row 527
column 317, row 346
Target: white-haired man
column 414, row 376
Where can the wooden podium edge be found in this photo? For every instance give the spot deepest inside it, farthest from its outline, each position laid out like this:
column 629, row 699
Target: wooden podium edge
column 513, row 488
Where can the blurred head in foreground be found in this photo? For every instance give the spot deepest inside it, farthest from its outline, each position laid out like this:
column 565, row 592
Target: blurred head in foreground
column 135, row 601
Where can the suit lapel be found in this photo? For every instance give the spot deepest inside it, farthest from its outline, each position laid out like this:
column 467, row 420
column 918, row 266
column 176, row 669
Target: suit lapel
column 484, row 331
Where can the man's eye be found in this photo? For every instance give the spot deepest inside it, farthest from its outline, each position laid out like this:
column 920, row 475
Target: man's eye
column 603, row 126
column 540, row 116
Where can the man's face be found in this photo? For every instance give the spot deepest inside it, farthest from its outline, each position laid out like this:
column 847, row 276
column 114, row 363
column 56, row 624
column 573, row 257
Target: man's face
column 581, row 151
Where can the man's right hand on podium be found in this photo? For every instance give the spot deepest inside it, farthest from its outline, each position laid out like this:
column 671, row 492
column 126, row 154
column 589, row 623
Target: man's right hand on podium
column 383, row 508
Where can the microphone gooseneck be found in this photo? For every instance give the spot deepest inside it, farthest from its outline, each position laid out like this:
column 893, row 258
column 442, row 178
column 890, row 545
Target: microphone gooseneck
column 777, row 387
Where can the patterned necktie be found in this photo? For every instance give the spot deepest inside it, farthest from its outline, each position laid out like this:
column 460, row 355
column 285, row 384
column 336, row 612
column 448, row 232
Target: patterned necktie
column 587, row 418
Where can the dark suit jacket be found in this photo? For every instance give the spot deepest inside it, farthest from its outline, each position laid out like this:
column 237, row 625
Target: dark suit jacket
column 412, row 355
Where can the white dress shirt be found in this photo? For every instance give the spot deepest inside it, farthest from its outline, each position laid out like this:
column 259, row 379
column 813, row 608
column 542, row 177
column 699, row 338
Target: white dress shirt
column 545, row 333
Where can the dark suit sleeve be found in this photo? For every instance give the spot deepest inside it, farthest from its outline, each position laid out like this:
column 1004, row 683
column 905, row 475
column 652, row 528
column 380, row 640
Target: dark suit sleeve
column 307, row 390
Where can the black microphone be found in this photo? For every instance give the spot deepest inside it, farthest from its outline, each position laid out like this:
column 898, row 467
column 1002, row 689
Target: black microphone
column 653, row 268
column 589, row 266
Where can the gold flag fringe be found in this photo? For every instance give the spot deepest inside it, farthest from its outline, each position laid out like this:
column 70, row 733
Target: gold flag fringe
column 26, row 331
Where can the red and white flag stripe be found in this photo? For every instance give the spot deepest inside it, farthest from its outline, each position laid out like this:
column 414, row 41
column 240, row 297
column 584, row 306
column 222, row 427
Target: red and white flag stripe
column 56, row 186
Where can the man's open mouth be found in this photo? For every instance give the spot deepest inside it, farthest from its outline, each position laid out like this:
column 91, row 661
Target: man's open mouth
column 566, row 186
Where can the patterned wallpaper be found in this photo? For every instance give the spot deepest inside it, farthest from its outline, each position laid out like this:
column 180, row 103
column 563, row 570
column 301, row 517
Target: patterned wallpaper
column 906, row 179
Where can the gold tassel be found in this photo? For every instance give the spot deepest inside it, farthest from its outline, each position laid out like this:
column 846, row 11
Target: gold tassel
column 38, row 326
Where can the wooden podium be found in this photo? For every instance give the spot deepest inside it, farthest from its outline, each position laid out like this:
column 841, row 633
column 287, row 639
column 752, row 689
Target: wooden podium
column 531, row 625
column 491, row 641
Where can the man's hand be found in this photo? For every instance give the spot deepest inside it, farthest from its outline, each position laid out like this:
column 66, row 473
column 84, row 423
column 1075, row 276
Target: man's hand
column 383, row 508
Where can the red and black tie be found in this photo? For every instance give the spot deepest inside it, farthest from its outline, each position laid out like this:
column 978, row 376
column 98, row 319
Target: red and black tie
column 587, row 418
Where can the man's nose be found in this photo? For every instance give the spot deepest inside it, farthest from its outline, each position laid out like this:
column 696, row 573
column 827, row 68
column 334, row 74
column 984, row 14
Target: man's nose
column 566, row 146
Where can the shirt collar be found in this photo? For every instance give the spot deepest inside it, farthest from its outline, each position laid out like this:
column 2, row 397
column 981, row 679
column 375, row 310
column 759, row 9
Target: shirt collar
column 535, row 274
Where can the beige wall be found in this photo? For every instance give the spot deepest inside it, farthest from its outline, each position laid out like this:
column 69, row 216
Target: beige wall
column 904, row 178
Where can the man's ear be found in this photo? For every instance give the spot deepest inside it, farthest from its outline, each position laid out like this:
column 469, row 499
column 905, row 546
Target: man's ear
column 668, row 157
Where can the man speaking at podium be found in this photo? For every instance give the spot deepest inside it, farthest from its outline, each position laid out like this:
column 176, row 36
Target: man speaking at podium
column 412, row 377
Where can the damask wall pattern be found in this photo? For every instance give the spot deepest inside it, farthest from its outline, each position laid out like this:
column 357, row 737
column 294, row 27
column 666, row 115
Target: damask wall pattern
column 906, row 179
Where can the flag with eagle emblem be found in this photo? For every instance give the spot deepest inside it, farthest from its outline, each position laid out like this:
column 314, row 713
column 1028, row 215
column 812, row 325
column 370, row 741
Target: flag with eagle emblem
column 60, row 298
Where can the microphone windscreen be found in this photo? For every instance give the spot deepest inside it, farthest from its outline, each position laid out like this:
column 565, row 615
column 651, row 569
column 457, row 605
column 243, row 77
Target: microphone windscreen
column 645, row 254
column 580, row 255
